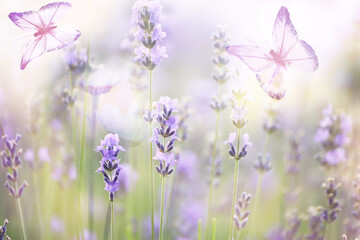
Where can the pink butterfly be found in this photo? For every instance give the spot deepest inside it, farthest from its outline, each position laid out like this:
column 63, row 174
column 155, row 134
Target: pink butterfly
column 47, row 35
column 289, row 51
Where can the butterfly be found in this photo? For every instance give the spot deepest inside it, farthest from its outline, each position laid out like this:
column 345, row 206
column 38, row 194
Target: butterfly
column 47, row 35
column 289, row 51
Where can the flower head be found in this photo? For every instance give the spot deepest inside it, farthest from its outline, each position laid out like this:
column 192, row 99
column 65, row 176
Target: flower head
column 109, row 164
column 12, row 162
column 76, row 59
column 147, row 17
column 333, row 135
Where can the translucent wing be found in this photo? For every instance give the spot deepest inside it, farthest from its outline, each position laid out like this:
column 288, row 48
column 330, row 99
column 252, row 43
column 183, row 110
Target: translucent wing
column 284, row 34
column 302, row 57
column 52, row 12
column 255, row 57
column 61, row 37
column 34, row 48
column 272, row 82
column 28, row 21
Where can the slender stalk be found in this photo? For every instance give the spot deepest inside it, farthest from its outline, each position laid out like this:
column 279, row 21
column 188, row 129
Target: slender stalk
column 162, row 207
column 106, row 225
column 152, row 200
column 90, row 167
column 168, row 197
column 213, row 232
column 234, row 199
column 235, row 187
column 36, row 190
column 20, row 214
column 199, row 230
column 212, row 175
column 112, row 221
column 326, row 230
column 257, row 195
column 237, row 235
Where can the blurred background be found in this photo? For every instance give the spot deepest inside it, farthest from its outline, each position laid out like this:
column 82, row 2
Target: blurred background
column 33, row 98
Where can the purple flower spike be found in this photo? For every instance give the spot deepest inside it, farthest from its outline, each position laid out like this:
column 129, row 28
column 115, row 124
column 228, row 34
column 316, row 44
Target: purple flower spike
column 109, row 164
column 235, row 151
column 12, row 162
column 165, row 135
column 147, row 17
column 3, row 235
column 333, row 134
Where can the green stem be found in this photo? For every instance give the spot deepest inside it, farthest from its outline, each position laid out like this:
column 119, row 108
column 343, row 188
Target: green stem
column 213, row 234
column 212, row 174
column 36, row 190
column 20, row 214
column 152, row 200
column 199, row 230
column 325, row 231
column 235, row 187
column 237, row 235
column 234, row 199
column 162, row 207
column 112, row 220
column 257, row 195
column 90, row 169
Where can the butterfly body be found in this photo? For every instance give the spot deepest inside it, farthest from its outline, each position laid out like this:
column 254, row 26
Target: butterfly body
column 269, row 64
column 44, row 31
column 277, row 58
column 47, row 35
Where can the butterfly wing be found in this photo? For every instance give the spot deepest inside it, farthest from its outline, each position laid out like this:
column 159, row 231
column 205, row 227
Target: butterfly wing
column 294, row 52
column 302, row 57
column 61, row 37
column 255, row 57
column 34, row 48
column 52, row 12
column 28, row 21
column 58, row 37
column 272, row 81
column 284, row 34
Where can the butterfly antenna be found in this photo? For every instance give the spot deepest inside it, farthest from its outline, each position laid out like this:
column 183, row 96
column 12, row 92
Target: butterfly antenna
column 263, row 38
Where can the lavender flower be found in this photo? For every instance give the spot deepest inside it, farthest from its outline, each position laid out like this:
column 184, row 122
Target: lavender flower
column 184, row 113
column 217, row 104
column 3, row 235
column 12, row 162
column 220, row 60
column 331, row 212
column 263, row 165
column 293, row 225
column 272, row 120
column 168, row 125
column 352, row 226
column 147, row 18
column 109, row 164
column 67, row 98
column 293, row 157
column 316, row 225
column 76, row 59
column 333, row 135
column 234, row 152
column 241, row 211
